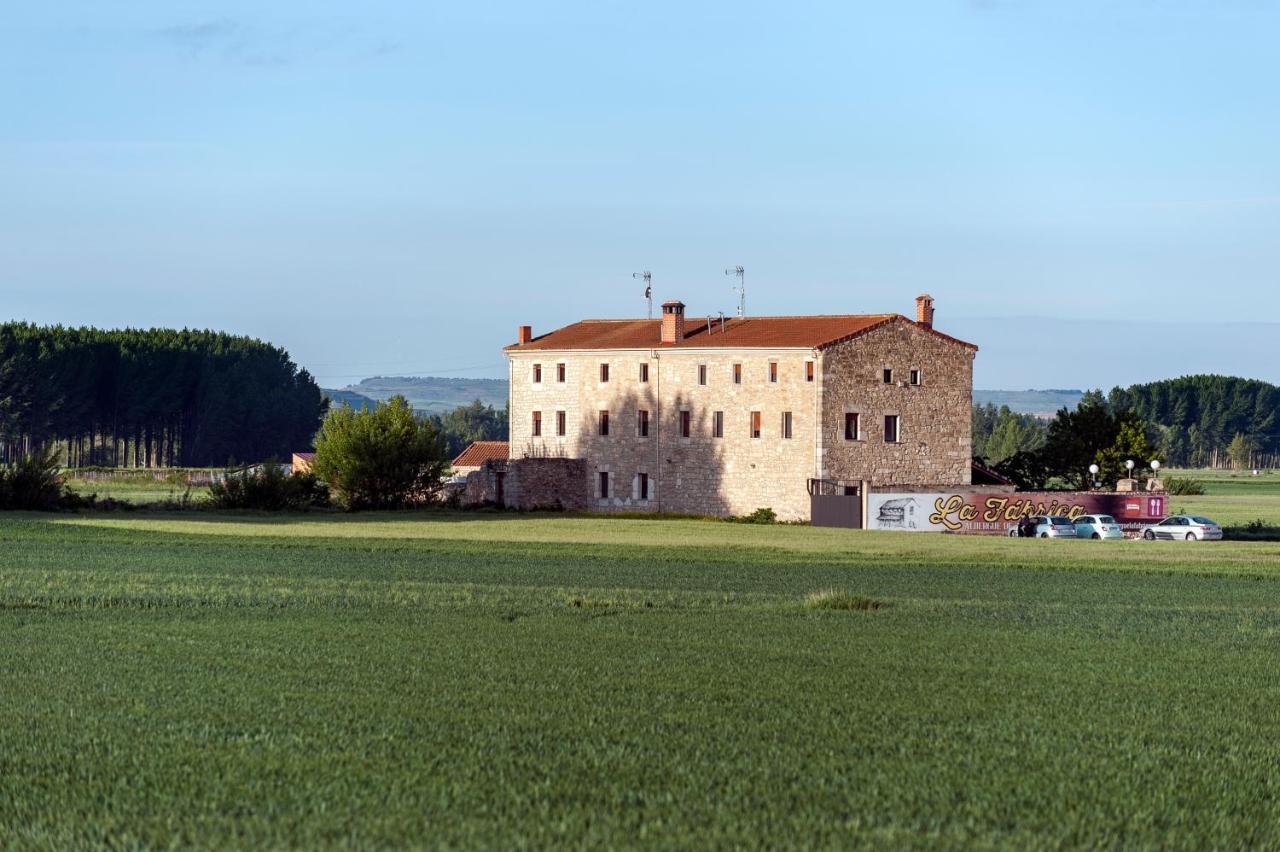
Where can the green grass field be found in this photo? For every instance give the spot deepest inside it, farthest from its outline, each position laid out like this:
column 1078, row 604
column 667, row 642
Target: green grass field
column 530, row 681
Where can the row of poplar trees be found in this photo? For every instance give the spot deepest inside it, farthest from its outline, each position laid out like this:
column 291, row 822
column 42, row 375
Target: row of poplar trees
column 151, row 398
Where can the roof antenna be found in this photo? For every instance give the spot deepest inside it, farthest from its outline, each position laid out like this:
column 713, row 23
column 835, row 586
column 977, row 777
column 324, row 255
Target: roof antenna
column 740, row 288
column 648, row 288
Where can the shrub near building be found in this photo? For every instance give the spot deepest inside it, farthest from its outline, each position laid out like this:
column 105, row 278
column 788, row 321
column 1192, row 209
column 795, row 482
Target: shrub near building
column 387, row 458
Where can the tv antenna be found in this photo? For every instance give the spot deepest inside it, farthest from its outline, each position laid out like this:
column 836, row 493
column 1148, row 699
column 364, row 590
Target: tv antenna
column 740, row 288
column 647, row 276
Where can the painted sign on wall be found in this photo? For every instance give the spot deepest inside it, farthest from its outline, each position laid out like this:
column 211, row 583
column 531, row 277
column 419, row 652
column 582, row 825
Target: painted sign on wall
column 961, row 512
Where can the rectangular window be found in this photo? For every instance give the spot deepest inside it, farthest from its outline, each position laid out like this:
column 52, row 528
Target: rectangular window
column 642, row 486
column 717, row 424
column 604, row 423
column 559, row 372
column 560, row 423
column 702, row 374
column 644, row 373
column 888, row 376
column 915, row 377
column 537, row 423
column 755, row 424
column 808, row 371
column 786, row 424
column 852, row 430
column 684, row 424
column 604, row 484
column 642, row 423
column 604, row 372
column 737, row 374
column 537, row 374
column 892, row 429
column 773, row 371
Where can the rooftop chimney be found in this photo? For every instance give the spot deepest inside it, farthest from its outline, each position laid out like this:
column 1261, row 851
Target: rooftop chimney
column 924, row 310
column 526, row 333
column 672, row 322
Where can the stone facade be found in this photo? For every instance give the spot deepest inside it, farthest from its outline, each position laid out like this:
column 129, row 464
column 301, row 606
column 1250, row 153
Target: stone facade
column 528, row 483
column 930, row 390
column 736, row 472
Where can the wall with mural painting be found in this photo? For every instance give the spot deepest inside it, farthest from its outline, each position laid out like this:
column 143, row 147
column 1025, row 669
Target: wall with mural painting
column 963, row 512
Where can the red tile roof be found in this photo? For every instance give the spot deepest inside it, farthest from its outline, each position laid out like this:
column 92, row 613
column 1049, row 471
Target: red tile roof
column 305, row 456
column 811, row 332
column 480, row 452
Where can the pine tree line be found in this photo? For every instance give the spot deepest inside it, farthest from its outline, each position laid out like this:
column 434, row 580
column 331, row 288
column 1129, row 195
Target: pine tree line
column 150, row 398
column 1208, row 421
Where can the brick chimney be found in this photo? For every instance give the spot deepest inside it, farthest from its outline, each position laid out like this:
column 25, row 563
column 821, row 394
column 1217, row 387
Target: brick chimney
column 924, row 310
column 672, row 322
column 526, row 333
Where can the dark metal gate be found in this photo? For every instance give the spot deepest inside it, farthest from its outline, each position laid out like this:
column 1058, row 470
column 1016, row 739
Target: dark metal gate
column 832, row 504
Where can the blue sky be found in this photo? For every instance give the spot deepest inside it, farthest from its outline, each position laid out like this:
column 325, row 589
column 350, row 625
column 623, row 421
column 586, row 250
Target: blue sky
column 393, row 187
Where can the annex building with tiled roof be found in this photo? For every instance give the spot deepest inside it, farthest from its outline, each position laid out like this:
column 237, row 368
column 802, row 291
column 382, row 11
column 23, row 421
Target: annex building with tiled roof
column 726, row 415
column 477, row 453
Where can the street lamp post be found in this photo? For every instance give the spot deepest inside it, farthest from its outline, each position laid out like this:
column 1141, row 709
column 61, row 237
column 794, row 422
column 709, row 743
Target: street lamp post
column 1129, row 464
column 1093, row 475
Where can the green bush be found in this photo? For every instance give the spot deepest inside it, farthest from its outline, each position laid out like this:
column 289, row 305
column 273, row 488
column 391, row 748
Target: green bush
column 268, row 488
column 1184, row 486
column 764, row 515
column 35, row 484
column 1257, row 530
column 387, row 458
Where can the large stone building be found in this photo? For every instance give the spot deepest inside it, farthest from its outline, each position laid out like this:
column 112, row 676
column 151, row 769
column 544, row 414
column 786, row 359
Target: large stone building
column 724, row 416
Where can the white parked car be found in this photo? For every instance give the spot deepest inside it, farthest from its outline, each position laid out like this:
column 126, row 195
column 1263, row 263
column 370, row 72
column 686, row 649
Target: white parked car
column 1049, row 526
column 1098, row 526
column 1184, row 528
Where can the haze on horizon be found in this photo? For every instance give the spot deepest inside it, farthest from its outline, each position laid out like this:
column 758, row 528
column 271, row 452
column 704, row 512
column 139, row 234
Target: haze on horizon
column 394, row 191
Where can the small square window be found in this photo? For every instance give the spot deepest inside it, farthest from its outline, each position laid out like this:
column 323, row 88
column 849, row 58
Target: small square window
column 915, row 377
column 604, row 372
column 559, row 372
column 684, row 424
column 702, row 374
column 604, row 423
column 888, row 376
column 773, row 371
column 560, row 423
column 808, row 371
column 737, row 374
column 644, row 373
column 786, row 424
column 642, row 423
column 537, row 424
column 717, row 424
column 755, row 424
column 537, row 373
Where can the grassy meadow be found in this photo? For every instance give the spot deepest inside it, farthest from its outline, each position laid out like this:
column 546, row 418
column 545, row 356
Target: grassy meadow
column 526, row 681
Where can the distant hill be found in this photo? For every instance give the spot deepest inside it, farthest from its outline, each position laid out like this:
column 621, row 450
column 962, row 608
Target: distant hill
column 1042, row 402
column 431, row 394
column 339, row 397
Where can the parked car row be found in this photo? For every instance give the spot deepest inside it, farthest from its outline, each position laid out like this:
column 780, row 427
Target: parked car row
column 1173, row 528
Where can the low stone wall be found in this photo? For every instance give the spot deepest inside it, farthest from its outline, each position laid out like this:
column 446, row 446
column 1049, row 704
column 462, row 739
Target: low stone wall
column 531, row 483
column 546, row 483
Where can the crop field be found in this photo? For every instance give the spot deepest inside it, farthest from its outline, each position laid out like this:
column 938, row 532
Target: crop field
column 528, row 681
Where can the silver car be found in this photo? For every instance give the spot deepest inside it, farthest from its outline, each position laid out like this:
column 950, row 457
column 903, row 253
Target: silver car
column 1184, row 528
column 1098, row 526
column 1049, row 526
